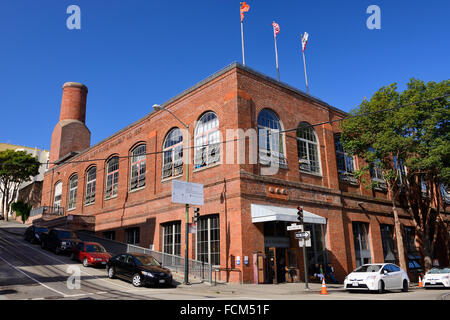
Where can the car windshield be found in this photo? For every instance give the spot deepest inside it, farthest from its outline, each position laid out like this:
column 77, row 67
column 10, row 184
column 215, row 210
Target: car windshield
column 147, row 261
column 439, row 270
column 67, row 234
column 94, row 248
column 369, row 268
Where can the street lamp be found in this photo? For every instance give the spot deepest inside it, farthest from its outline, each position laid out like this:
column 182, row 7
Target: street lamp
column 157, row 107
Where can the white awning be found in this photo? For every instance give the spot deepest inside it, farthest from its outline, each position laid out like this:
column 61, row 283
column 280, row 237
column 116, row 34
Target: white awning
column 262, row 213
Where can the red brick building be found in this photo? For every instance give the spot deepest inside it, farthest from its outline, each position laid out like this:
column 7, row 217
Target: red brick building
column 125, row 180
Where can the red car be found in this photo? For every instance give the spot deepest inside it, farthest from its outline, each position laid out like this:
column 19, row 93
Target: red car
column 90, row 253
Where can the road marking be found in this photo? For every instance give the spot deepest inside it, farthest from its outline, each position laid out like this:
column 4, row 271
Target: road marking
column 44, row 285
column 65, row 263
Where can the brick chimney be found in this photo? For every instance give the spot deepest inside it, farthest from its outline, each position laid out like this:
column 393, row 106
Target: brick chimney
column 70, row 133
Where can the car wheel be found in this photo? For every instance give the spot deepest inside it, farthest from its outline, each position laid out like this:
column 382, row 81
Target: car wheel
column 111, row 273
column 85, row 262
column 137, row 280
column 381, row 286
column 405, row 286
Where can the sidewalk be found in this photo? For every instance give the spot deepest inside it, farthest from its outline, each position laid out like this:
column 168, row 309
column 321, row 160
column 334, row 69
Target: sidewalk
column 13, row 227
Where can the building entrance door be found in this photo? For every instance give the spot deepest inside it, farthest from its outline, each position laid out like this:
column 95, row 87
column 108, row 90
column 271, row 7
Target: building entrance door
column 276, row 265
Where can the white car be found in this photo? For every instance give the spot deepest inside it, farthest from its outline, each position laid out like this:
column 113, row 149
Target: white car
column 377, row 277
column 437, row 278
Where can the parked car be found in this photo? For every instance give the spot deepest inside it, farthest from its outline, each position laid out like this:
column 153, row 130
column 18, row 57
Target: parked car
column 59, row 240
column 140, row 269
column 90, row 253
column 377, row 277
column 33, row 234
column 437, row 278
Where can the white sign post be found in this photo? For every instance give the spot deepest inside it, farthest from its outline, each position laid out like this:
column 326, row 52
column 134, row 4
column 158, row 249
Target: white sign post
column 187, row 193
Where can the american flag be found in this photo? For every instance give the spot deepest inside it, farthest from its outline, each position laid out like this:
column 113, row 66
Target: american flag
column 276, row 28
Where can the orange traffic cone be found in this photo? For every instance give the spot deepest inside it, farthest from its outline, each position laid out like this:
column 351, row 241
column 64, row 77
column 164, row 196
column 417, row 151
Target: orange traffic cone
column 324, row 288
column 420, row 282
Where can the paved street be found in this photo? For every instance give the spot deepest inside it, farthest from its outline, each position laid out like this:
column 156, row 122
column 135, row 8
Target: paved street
column 28, row 272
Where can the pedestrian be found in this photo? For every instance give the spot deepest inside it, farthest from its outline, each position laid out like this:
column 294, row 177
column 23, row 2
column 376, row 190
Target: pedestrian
column 317, row 272
column 329, row 272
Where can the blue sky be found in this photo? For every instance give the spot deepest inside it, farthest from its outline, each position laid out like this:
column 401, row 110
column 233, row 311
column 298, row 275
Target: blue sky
column 133, row 54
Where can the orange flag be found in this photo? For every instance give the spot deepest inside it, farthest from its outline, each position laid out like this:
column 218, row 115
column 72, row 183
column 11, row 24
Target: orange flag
column 244, row 8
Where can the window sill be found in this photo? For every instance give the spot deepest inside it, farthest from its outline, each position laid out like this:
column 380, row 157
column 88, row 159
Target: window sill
column 89, row 204
column 68, row 210
column 171, row 178
column 319, row 175
column 112, row 197
column 215, row 164
column 137, row 189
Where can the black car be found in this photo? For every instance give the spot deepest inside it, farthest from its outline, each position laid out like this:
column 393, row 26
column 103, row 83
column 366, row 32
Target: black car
column 33, row 234
column 59, row 240
column 140, row 269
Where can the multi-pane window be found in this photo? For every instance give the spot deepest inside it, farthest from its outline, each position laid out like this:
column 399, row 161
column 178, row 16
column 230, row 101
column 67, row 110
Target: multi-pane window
column 361, row 241
column 73, row 186
column 345, row 163
column 112, row 177
column 387, row 239
column 91, row 178
column 138, row 167
column 411, row 249
column 132, row 236
column 307, row 147
column 207, row 141
column 172, row 238
column 58, row 196
column 208, row 240
column 270, row 138
column 173, row 154
column 318, row 252
column 110, row 235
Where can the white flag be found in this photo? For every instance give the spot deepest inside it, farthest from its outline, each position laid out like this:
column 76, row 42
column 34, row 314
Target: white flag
column 304, row 40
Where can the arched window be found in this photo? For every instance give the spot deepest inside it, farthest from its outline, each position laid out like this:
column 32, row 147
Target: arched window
column 307, row 147
column 173, row 154
column 207, row 140
column 73, row 186
column 58, row 196
column 270, row 138
column 112, row 177
column 91, row 178
column 138, row 167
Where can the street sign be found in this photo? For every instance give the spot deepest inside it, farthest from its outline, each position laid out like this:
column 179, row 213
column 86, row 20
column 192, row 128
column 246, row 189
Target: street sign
column 295, row 227
column 187, row 193
column 302, row 235
column 192, row 228
column 303, row 242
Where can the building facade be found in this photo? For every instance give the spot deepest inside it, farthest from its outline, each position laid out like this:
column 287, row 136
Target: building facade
column 29, row 191
column 125, row 181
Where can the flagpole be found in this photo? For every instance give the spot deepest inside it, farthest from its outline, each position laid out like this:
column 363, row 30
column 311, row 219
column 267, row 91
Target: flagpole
column 304, row 66
column 276, row 54
column 242, row 37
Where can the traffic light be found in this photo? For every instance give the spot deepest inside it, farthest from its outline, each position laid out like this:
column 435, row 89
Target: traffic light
column 300, row 214
column 196, row 214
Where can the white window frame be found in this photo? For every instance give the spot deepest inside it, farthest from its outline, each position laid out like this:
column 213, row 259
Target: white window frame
column 315, row 146
column 271, row 142
column 73, row 190
column 91, row 181
column 139, row 166
column 207, row 141
column 172, row 164
column 112, row 170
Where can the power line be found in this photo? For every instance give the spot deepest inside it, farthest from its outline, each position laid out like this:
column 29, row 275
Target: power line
column 238, row 139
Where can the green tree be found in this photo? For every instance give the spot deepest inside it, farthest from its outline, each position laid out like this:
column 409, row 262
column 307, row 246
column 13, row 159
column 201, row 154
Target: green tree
column 21, row 209
column 16, row 167
column 392, row 130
